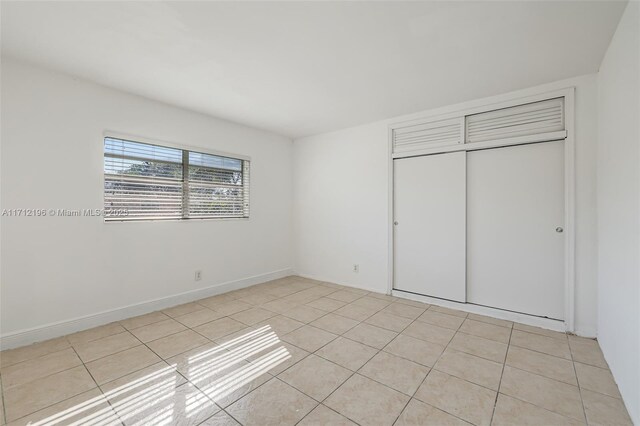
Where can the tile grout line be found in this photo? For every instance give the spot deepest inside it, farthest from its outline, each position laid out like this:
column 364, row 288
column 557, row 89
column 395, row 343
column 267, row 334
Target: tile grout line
column 97, row 387
column 359, row 322
column 71, row 397
column 515, row 368
column 544, row 377
column 125, row 330
column 91, row 375
column 49, row 375
column 132, row 372
column 504, row 364
column 573, row 364
column 542, row 408
column 3, row 418
column 425, row 377
column 310, row 325
column 80, row 358
column 537, row 351
column 244, row 359
column 222, row 410
column 201, row 389
column 560, row 358
column 353, row 373
column 477, row 337
column 89, row 372
column 430, row 369
column 187, row 380
column 378, row 351
column 162, row 359
column 259, row 386
column 308, row 396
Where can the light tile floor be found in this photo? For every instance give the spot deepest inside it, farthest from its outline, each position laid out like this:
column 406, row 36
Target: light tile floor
column 297, row 351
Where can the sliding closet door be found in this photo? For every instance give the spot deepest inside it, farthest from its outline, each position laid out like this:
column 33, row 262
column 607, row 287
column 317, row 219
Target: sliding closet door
column 515, row 240
column 429, row 230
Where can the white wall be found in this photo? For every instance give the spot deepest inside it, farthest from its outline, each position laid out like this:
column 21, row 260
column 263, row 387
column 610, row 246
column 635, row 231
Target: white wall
column 340, row 206
column 619, row 208
column 58, row 268
column 341, row 202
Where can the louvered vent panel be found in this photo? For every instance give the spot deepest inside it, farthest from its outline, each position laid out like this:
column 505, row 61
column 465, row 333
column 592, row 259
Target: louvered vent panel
column 427, row 135
column 521, row 120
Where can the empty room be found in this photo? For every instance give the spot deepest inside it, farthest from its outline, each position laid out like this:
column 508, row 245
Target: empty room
column 315, row 213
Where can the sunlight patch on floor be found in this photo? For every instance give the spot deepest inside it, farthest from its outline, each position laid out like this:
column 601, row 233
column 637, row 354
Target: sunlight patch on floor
column 158, row 398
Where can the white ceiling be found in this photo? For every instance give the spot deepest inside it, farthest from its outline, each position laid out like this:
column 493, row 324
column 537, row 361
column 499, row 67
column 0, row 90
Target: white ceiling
column 305, row 68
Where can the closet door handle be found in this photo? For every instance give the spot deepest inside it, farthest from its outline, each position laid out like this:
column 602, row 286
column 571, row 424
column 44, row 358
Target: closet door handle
column 559, row 229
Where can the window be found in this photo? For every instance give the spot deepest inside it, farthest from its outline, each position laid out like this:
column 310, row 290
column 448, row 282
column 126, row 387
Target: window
column 152, row 182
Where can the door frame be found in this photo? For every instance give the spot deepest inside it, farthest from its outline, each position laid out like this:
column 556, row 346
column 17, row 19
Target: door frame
column 474, row 107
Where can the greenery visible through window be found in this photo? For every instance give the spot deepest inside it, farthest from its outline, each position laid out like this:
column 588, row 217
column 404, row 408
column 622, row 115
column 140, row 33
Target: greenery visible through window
column 144, row 182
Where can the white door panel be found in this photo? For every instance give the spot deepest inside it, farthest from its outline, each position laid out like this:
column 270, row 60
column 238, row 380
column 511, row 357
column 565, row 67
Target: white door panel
column 429, row 238
column 515, row 202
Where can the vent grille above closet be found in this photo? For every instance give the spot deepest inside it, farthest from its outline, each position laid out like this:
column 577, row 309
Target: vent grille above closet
column 427, row 135
column 521, row 120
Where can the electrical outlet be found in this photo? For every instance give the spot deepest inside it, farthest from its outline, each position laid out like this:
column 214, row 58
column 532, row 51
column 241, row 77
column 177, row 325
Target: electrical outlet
column 198, row 276
column 356, row 268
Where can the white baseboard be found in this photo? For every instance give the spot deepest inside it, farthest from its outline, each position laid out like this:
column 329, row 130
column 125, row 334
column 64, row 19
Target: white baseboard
column 547, row 323
column 329, row 280
column 550, row 324
column 587, row 331
column 61, row 328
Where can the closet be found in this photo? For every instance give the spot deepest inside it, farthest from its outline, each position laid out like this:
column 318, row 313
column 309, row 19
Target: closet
column 479, row 206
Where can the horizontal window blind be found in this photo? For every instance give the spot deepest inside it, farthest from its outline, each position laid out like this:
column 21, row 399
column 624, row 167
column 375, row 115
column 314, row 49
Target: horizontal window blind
column 149, row 182
column 427, row 135
column 217, row 186
column 522, row 120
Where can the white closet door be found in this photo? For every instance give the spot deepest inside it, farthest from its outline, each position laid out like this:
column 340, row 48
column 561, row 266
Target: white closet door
column 515, row 202
column 429, row 238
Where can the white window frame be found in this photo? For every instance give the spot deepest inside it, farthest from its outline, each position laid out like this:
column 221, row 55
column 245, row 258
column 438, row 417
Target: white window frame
column 183, row 147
